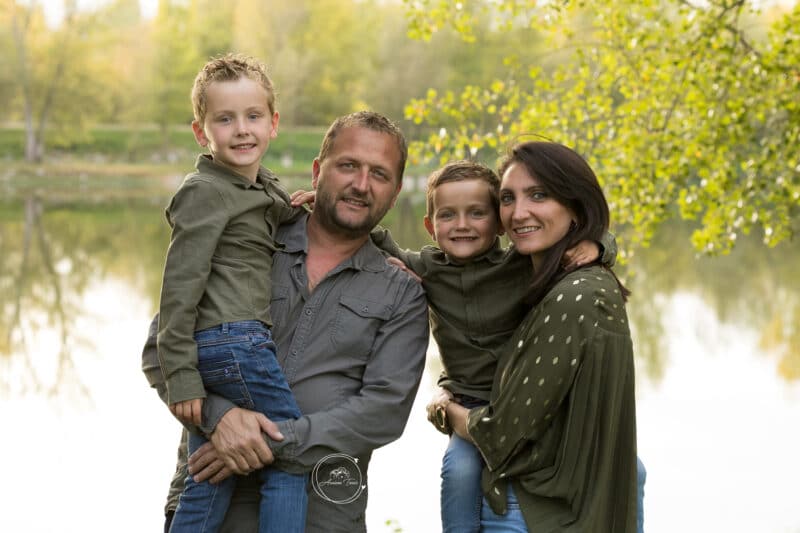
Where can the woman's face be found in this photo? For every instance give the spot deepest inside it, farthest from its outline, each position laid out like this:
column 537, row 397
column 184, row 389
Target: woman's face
column 533, row 220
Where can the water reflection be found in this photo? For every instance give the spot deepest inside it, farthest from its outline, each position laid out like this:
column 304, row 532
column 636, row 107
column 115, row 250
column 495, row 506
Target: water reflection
column 718, row 355
column 49, row 256
column 50, row 253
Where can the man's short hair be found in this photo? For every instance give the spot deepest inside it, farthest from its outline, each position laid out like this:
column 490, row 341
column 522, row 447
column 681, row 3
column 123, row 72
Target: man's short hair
column 463, row 171
column 371, row 121
column 229, row 67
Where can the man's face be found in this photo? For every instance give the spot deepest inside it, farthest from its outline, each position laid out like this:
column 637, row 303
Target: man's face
column 358, row 182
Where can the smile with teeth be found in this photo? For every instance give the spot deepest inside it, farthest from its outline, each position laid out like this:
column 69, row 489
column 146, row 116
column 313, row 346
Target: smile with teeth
column 459, row 239
column 355, row 202
column 526, row 229
column 245, row 146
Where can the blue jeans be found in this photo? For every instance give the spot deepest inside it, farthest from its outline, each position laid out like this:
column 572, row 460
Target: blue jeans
column 511, row 522
column 461, row 487
column 641, row 477
column 514, row 522
column 237, row 361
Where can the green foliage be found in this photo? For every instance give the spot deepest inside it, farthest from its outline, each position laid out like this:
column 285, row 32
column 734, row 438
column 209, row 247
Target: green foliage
column 678, row 108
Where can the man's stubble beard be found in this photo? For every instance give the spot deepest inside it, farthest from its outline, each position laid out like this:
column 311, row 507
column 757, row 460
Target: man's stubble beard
column 328, row 217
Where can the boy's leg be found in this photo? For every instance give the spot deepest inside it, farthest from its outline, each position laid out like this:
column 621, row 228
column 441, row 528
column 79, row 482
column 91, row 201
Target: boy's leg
column 511, row 522
column 641, row 477
column 202, row 506
column 264, row 389
column 461, row 487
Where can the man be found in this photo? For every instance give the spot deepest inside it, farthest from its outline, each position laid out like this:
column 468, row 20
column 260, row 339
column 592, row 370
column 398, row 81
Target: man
column 351, row 332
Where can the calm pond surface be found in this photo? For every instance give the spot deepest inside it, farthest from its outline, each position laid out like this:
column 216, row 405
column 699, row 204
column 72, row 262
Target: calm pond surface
column 88, row 447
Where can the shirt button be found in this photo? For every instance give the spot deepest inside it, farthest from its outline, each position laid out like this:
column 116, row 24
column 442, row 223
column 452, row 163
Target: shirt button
column 365, row 309
column 308, row 312
column 294, row 352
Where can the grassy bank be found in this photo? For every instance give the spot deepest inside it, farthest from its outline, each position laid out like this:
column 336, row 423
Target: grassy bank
column 141, row 162
column 143, row 146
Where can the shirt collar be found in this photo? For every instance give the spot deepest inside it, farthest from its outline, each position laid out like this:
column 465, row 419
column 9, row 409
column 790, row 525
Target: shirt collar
column 494, row 254
column 294, row 236
column 207, row 165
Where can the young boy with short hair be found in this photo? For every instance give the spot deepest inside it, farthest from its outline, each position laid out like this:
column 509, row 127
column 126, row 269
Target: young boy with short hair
column 214, row 322
column 475, row 290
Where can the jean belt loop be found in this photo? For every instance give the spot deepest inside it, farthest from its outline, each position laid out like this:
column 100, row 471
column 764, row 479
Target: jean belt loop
column 225, row 326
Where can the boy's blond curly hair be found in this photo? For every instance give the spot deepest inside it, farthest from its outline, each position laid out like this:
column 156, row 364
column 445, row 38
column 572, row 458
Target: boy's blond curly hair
column 229, row 67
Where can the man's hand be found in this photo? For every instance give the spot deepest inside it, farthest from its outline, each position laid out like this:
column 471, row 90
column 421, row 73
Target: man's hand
column 206, row 465
column 239, row 443
column 188, row 411
column 583, row 253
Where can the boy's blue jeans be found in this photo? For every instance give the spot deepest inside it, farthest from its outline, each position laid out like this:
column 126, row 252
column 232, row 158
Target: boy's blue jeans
column 463, row 509
column 237, row 361
column 461, row 487
column 511, row 522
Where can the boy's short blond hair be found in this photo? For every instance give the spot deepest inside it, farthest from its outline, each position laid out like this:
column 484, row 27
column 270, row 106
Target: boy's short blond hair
column 463, row 171
column 229, row 67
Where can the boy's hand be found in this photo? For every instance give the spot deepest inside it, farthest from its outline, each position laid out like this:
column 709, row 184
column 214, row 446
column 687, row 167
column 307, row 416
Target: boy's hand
column 301, row 197
column 188, row 411
column 584, row 253
column 402, row 266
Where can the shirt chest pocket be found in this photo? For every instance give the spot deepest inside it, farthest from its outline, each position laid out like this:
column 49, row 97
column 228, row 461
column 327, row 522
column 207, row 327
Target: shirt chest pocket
column 356, row 324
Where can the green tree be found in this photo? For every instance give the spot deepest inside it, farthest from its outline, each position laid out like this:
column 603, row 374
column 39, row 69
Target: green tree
column 174, row 62
column 58, row 87
column 680, row 107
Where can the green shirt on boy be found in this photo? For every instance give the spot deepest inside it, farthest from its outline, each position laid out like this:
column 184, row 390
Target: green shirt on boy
column 218, row 263
column 475, row 306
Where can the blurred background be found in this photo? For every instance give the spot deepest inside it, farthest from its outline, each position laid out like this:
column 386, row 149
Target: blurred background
column 688, row 111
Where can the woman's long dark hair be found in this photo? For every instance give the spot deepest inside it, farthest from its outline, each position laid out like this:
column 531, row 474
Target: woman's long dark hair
column 569, row 179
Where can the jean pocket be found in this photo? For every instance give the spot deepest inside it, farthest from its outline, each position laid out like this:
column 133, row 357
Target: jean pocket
column 222, row 376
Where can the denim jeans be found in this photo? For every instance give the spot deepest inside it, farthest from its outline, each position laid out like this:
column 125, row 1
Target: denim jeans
column 641, row 477
column 461, row 487
column 514, row 522
column 511, row 522
column 237, row 361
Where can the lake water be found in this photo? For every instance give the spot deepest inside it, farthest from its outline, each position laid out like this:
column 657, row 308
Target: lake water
column 87, row 446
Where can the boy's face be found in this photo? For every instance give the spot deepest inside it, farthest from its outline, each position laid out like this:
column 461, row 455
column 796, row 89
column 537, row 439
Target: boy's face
column 464, row 220
column 238, row 125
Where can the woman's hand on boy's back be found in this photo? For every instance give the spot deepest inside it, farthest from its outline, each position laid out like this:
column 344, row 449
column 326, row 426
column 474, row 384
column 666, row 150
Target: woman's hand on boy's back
column 583, row 253
column 188, row 411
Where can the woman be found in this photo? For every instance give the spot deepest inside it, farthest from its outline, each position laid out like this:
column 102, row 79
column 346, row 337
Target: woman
column 559, row 434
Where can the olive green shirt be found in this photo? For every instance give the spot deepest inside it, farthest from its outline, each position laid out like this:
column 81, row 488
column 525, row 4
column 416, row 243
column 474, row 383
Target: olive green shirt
column 474, row 306
column 561, row 422
column 218, row 263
